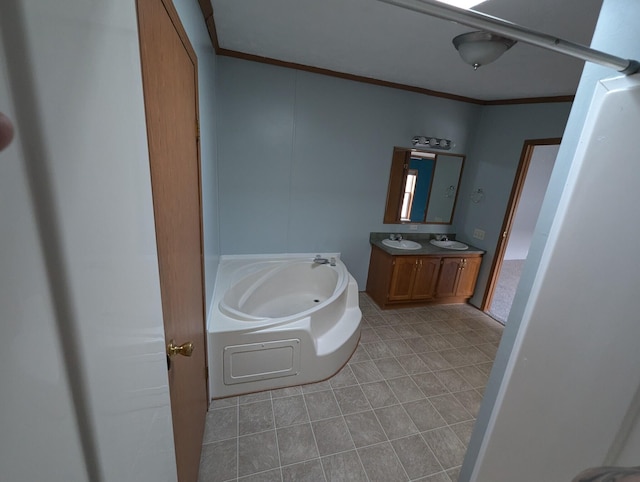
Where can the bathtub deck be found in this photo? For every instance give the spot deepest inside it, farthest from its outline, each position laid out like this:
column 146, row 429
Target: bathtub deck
column 402, row 408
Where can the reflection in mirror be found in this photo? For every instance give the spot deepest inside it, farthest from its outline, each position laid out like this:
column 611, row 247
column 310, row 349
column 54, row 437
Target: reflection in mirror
column 417, row 186
column 446, row 178
column 423, row 186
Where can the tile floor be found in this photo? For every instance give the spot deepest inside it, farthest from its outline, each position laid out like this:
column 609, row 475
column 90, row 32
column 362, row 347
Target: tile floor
column 402, row 409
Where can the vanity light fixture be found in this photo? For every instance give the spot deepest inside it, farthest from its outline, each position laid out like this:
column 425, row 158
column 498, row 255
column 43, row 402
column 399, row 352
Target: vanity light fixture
column 432, row 142
column 481, row 48
column 477, row 195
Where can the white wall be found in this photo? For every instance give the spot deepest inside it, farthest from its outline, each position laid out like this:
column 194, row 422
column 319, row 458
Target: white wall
column 535, row 186
column 627, row 455
column 573, row 372
column 85, row 394
column 565, row 368
column 37, row 415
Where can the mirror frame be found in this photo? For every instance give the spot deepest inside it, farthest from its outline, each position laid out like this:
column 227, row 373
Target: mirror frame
column 397, row 179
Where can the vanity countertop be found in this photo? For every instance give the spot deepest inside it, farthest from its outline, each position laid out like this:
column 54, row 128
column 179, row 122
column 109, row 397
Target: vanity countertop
column 426, row 249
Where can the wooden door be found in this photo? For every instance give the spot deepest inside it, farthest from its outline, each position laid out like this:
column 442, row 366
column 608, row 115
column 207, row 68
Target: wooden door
column 169, row 74
column 468, row 275
column 404, row 268
column 426, row 277
column 449, row 268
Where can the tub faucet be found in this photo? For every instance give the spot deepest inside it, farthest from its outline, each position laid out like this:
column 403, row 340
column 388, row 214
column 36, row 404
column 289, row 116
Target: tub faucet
column 319, row 260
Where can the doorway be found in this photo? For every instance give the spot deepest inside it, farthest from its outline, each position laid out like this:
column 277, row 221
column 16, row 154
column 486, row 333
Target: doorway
column 170, row 85
column 532, row 178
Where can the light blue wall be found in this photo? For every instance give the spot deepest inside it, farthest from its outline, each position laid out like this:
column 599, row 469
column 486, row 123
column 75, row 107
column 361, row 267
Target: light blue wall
column 616, row 33
column 193, row 22
column 492, row 162
column 304, row 159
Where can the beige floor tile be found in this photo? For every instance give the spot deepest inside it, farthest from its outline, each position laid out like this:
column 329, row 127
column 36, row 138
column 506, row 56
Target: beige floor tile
column 365, row 429
column 381, row 463
column 351, row 400
column 328, row 430
column 416, row 457
column 395, row 422
column 446, row 446
column 344, row 467
column 257, row 453
column 332, row 436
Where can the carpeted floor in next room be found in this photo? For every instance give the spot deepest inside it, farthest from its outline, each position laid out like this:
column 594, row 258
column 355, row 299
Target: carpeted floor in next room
column 402, row 409
column 506, row 288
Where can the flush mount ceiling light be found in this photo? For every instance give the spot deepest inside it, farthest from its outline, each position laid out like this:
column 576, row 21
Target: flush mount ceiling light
column 481, row 48
column 463, row 3
column 500, row 27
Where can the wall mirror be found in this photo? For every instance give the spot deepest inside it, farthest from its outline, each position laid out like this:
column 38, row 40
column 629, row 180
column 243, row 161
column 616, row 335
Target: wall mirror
column 423, row 186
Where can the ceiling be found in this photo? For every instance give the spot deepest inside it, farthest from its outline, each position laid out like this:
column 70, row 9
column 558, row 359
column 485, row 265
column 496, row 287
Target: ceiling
column 371, row 39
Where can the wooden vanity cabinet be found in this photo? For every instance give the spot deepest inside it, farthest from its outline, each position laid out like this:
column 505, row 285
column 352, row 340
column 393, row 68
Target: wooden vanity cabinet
column 415, row 280
column 458, row 276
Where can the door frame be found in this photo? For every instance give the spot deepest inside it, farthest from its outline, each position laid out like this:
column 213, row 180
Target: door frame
column 512, row 207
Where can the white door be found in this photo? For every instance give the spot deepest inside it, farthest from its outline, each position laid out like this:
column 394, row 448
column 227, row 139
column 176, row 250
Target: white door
column 83, row 371
column 570, row 390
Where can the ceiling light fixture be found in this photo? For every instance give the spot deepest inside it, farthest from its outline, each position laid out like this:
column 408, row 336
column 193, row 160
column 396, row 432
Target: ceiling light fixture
column 481, row 48
column 500, row 27
column 467, row 4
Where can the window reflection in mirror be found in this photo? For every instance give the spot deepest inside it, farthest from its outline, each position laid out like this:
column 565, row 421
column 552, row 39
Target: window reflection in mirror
column 409, row 193
column 423, row 186
column 417, row 186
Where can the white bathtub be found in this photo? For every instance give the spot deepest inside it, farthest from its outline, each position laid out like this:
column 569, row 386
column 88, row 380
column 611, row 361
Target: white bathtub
column 280, row 320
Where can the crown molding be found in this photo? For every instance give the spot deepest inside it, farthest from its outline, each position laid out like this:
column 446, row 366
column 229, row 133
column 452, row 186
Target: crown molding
column 207, row 12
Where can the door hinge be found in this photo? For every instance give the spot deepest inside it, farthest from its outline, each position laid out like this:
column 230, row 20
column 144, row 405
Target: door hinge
column 197, row 130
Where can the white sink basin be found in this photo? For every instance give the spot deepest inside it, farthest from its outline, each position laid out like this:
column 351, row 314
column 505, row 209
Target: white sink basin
column 450, row 245
column 402, row 244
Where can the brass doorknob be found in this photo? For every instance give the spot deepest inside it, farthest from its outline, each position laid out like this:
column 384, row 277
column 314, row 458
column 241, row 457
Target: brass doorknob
column 186, row 349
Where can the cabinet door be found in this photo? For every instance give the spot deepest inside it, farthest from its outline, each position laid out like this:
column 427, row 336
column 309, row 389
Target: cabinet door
column 447, row 282
column 426, row 277
column 404, row 271
column 468, row 276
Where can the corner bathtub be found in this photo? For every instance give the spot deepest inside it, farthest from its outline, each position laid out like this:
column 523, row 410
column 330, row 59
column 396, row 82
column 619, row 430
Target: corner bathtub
column 280, row 320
